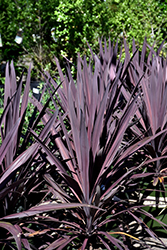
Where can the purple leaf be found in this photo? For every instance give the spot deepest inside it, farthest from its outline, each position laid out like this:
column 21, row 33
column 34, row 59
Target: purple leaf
column 84, row 244
column 63, row 245
column 20, row 160
column 75, row 123
column 16, row 233
column 8, row 140
column 9, row 189
column 150, row 232
column 13, row 84
column 56, row 243
column 26, row 93
column 130, row 150
column 84, row 146
column 7, row 90
column 67, row 153
column 51, row 158
column 104, row 243
column 98, row 124
column 143, row 54
column 43, row 208
column 113, row 240
column 49, row 126
column 113, row 145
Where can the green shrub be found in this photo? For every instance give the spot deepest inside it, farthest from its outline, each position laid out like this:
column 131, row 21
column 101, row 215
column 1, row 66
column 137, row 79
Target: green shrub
column 75, row 23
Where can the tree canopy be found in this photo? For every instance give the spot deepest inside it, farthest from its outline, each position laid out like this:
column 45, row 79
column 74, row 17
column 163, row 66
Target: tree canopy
column 55, row 27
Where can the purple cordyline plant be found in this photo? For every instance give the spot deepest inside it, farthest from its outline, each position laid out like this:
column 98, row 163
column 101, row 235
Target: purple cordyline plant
column 20, row 163
column 90, row 153
column 151, row 70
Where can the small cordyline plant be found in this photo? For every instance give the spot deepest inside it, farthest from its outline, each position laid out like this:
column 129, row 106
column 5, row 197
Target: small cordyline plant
column 90, row 150
column 20, row 164
column 153, row 112
column 151, row 72
column 11, row 182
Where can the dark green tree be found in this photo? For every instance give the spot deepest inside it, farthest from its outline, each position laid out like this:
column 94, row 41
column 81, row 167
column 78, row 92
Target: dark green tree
column 75, row 22
column 36, row 20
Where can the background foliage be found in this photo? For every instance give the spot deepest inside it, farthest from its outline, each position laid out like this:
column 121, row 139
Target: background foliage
column 75, row 23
